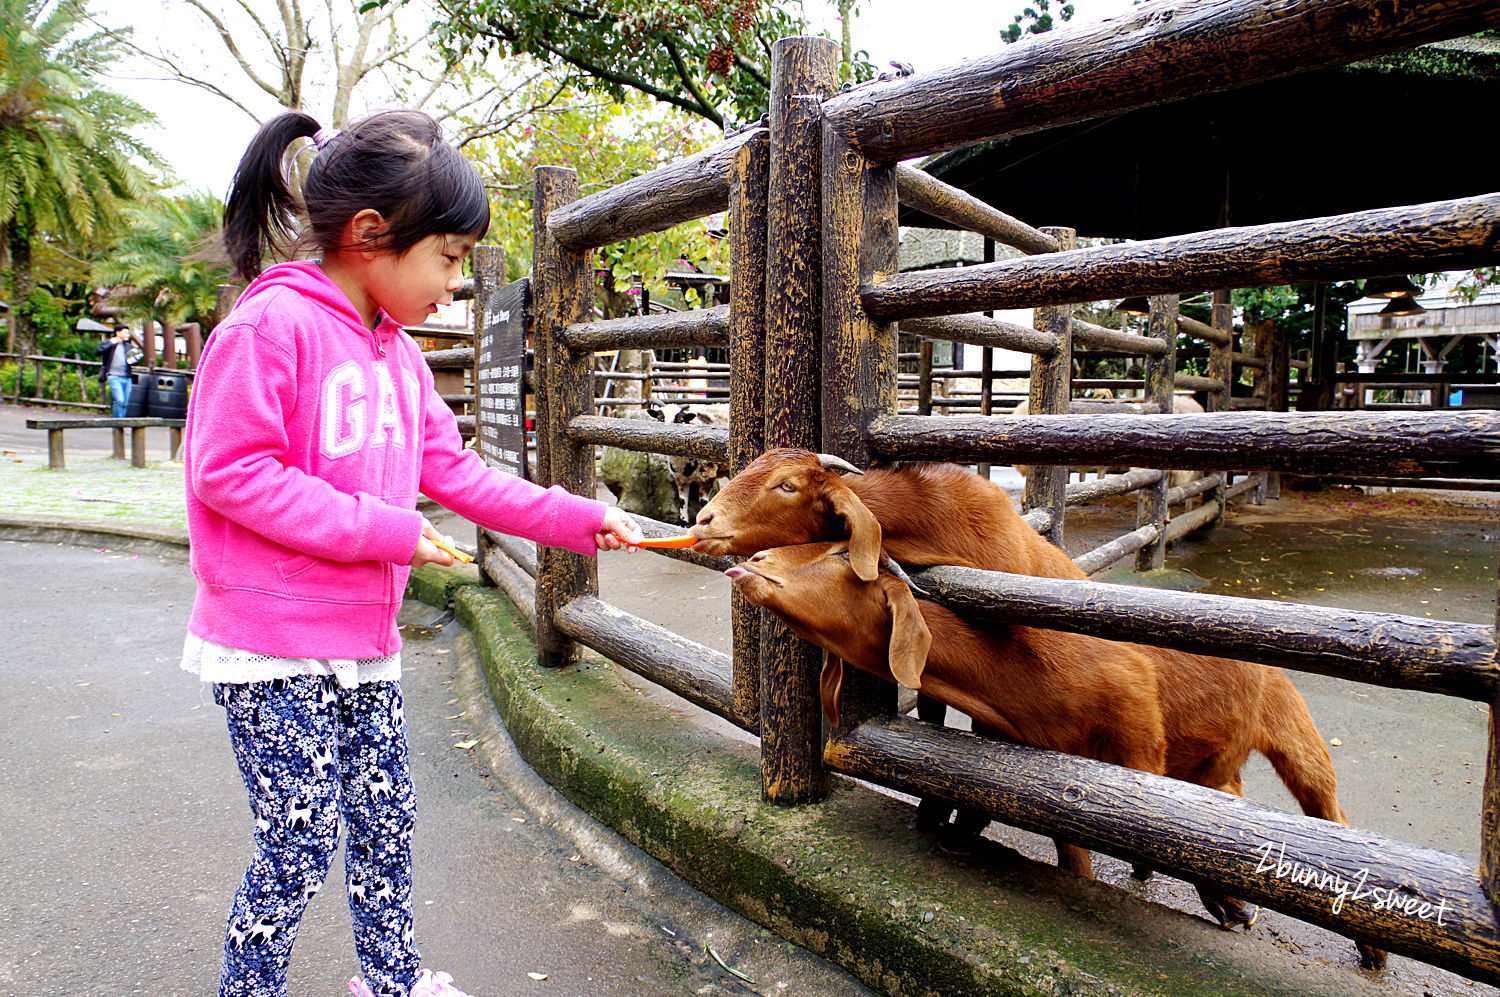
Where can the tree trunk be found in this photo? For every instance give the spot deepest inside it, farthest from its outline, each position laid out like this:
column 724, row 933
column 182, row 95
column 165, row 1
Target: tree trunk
column 22, row 282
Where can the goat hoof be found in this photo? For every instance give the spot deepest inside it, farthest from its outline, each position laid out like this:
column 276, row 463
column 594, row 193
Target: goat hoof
column 1371, row 957
column 1228, row 911
column 1141, row 872
column 933, row 814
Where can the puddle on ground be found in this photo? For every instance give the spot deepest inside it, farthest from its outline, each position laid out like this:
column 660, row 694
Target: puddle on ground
column 1373, row 553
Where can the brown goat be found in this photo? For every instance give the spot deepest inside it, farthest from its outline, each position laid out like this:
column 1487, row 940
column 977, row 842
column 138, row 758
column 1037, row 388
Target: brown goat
column 923, row 514
column 1167, row 712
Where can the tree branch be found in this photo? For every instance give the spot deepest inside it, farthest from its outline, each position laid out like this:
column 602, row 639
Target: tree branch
column 692, row 84
column 228, row 39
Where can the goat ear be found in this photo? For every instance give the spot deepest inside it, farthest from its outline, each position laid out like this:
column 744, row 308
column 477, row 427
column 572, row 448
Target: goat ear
column 864, row 529
column 831, row 686
column 910, row 638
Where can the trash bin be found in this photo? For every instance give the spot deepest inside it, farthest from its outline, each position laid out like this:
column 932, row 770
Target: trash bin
column 140, row 387
column 169, row 394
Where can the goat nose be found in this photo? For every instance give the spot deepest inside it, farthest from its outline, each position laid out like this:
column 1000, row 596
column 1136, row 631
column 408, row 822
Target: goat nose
column 705, row 517
column 760, row 555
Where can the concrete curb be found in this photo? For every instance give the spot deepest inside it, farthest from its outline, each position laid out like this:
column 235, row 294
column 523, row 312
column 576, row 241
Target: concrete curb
column 162, row 539
column 848, row 879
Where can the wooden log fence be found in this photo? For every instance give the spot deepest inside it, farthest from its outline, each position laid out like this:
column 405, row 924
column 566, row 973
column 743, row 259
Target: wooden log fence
column 815, row 297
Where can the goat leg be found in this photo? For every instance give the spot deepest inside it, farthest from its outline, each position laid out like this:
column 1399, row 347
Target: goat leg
column 1227, row 910
column 932, row 812
column 1370, row 957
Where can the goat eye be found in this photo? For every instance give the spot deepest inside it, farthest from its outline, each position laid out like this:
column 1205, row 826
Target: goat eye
column 787, row 487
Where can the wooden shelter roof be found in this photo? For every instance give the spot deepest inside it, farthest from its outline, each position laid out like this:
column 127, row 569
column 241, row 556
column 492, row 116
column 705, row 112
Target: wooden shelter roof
column 1404, row 129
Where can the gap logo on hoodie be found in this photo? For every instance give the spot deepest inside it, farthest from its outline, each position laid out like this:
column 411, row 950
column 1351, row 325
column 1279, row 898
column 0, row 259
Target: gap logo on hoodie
column 356, row 413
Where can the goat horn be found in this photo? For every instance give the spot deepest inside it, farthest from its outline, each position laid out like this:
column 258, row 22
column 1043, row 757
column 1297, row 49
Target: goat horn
column 832, row 463
column 889, row 564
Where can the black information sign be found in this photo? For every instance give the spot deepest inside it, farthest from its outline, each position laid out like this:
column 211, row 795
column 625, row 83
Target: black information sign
column 500, row 366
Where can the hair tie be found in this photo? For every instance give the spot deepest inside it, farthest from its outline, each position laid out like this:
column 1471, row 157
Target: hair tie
column 324, row 135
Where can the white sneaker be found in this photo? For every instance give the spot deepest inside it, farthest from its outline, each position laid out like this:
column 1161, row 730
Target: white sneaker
column 429, row 984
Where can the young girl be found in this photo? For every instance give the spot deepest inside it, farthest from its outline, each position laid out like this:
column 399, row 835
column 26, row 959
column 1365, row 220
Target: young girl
column 312, row 427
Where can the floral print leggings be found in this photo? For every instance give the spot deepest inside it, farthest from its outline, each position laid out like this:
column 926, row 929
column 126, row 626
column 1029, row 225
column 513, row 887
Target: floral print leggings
column 311, row 752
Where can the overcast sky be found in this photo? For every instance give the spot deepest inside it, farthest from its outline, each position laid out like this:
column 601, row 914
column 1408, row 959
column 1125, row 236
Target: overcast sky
column 203, row 135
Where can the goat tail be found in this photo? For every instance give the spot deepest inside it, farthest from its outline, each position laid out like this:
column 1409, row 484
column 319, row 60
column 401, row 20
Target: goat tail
column 1290, row 741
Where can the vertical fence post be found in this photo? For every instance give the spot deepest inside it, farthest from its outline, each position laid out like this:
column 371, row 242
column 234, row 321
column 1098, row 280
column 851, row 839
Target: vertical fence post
column 1051, row 394
column 924, row 377
column 1278, row 377
column 562, row 295
column 987, row 365
column 1221, row 366
column 860, row 244
column 748, row 184
column 802, row 70
column 1161, row 372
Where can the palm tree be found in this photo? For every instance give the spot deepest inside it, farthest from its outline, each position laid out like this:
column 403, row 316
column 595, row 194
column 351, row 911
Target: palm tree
column 68, row 162
column 160, row 265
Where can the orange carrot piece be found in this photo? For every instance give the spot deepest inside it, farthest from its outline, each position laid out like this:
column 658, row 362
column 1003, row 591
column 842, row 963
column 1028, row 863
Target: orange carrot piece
column 684, row 541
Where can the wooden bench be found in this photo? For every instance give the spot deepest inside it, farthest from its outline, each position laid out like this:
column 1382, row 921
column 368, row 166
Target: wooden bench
column 137, row 427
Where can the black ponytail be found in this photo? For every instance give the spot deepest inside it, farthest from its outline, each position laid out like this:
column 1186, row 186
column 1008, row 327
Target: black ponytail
column 262, row 212
column 395, row 162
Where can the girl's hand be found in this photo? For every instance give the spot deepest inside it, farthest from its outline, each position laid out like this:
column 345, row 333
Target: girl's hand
column 618, row 530
column 428, row 552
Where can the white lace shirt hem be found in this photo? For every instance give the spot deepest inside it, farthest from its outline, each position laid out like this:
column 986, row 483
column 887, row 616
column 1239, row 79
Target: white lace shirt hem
column 228, row 665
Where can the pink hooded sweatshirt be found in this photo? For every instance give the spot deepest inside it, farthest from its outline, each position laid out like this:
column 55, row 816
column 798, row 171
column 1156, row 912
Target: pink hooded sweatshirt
column 308, row 438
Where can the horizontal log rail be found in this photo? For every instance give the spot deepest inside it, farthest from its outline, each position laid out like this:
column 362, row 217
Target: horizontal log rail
column 1098, row 337
column 1083, row 492
column 669, row 195
column 981, row 330
column 1402, row 652
column 458, row 358
column 698, row 674
column 1123, row 546
column 1206, row 483
column 674, row 439
column 1212, row 335
column 1138, row 60
column 1413, row 900
column 522, row 552
column 1443, row 235
column 1039, row 519
column 518, row 586
column 1192, row 382
column 672, row 330
column 1460, row 443
column 1116, row 550
column 925, row 192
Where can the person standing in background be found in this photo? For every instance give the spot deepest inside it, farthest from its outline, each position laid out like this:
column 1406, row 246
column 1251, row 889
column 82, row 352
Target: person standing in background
column 114, row 359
